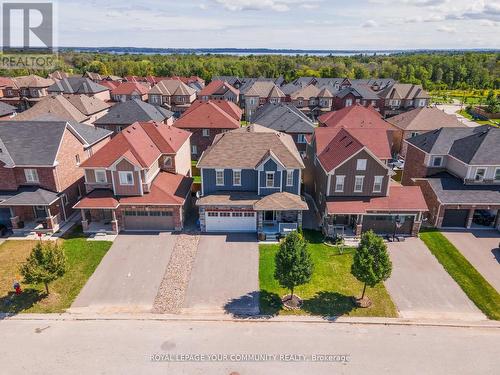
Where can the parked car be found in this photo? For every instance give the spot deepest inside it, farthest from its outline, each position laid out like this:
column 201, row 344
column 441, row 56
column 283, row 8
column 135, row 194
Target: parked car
column 483, row 217
column 397, row 163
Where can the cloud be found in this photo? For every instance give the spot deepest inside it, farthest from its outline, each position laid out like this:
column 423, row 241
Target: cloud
column 275, row 5
column 447, row 29
column 369, row 24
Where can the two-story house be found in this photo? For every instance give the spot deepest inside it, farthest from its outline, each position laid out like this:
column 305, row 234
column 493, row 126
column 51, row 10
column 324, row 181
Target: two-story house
column 129, row 91
column 26, row 91
column 312, row 100
column 219, row 90
column 138, row 181
column 172, row 94
column 418, row 121
column 458, row 170
column 356, row 94
column 121, row 115
column 250, row 182
column 258, row 94
column 286, row 118
column 80, row 86
column 40, row 179
column 401, row 97
column 348, row 176
column 207, row 119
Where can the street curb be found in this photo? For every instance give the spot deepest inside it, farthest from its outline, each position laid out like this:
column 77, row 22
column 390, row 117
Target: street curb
column 253, row 319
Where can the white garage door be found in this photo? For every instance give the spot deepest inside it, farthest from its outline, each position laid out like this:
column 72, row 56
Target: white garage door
column 226, row 221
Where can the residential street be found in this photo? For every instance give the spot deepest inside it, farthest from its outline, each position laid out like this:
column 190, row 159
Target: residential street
column 126, row 347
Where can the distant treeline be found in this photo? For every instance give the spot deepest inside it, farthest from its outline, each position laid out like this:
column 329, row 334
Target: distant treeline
column 435, row 71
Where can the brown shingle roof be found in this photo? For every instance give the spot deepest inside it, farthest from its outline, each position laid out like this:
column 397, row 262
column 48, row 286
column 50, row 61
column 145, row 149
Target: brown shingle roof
column 57, row 106
column 172, row 87
column 247, row 147
column 86, row 104
column 33, row 81
column 425, row 119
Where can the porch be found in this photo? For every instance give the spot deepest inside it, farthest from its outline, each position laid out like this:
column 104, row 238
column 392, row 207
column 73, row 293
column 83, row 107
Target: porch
column 98, row 212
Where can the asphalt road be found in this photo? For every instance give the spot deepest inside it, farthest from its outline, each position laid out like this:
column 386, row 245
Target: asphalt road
column 128, row 347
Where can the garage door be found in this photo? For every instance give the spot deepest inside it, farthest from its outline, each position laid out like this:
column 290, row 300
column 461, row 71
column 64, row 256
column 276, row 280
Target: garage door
column 148, row 220
column 384, row 224
column 455, row 218
column 226, row 221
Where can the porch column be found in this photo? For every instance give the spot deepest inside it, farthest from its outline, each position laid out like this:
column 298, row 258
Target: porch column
column 85, row 222
column 299, row 219
column 359, row 225
column 114, row 222
column 469, row 218
column 259, row 221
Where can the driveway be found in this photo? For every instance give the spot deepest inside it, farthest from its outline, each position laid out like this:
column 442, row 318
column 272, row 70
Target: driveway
column 421, row 288
column 480, row 247
column 128, row 277
column 225, row 275
column 452, row 109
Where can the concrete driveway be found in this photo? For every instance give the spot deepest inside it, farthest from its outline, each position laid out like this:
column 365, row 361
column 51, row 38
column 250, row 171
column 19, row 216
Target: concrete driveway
column 128, row 277
column 421, row 288
column 225, row 275
column 480, row 247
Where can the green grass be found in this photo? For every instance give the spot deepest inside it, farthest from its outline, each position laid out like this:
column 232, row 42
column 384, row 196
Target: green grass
column 330, row 291
column 467, row 277
column 494, row 122
column 83, row 257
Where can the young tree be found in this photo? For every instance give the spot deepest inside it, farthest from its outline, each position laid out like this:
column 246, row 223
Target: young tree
column 371, row 263
column 293, row 262
column 46, row 263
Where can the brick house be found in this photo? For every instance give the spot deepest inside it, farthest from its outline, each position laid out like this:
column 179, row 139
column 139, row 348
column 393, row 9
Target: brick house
column 172, row 94
column 401, row 97
column 250, row 182
column 348, row 176
column 128, row 91
column 219, row 90
column 25, row 91
column 121, row 115
column 207, row 119
column 286, row 118
column 312, row 100
column 138, row 181
column 458, row 170
column 355, row 94
column 79, row 86
column 39, row 176
column 258, row 94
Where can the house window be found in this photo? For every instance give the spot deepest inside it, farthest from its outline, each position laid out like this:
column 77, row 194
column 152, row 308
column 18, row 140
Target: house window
column 480, row 172
column 236, row 177
column 194, row 149
column 358, row 184
column 77, row 159
column 377, row 184
column 100, row 176
column 301, row 138
column 361, row 165
column 219, row 177
column 339, row 184
column 289, row 178
column 348, row 102
column 269, row 179
column 237, row 214
column 31, row 175
column 205, row 132
column 126, row 178
column 497, row 174
column 168, row 162
column 413, row 134
column 437, row 161
column 213, row 214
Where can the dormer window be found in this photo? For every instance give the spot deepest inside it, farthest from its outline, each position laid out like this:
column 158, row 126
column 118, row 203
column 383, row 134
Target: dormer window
column 437, row 161
column 269, row 179
column 480, row 172
column 126, row 177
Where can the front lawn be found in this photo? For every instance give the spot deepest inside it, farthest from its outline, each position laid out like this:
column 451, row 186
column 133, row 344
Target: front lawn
column 467, row 277
column 330, row 290
column 83, row 257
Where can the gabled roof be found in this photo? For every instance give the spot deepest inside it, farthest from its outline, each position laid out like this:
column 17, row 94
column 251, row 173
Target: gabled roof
column 309, row 91
column 129, row 88
column 58, row 74
column 171, row 87
column 141, row 144
column 111, row 85
column 440, row 141
column 6, row 109
column 264, row 89
column 207, row 115
column 247, row 147
column 480, row 148
column 424, row 119
column 56, row 106
column 93, row 76
column 76, row 85
column 218, row 88
column 403, row 91
column 37, row 142
column 86, row 104
column 356, row 116
column 33, row 81
column 232, row 109
column 283, row 117
column 7, row 82
column 130, row 111
column 335, row 145
column 359, row 90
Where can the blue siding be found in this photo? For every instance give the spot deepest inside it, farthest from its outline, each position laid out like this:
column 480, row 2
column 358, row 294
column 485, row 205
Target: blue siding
column 248, row 181
column 295, row 188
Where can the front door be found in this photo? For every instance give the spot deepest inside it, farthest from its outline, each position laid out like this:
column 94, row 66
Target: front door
column 40, row 212
column 269, row 216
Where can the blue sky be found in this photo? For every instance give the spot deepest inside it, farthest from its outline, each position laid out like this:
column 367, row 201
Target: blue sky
column 302, row 24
